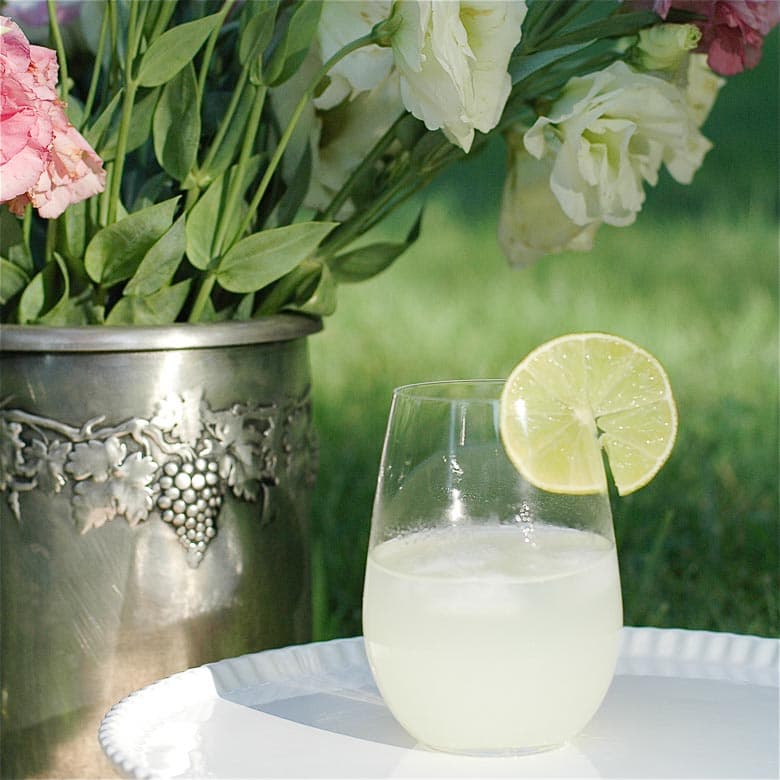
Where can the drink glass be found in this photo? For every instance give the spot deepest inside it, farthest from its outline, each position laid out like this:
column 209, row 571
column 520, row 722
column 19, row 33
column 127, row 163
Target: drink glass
column 491, row 609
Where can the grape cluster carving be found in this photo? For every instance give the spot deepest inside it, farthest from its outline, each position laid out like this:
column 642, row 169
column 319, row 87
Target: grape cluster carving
column 177, row 466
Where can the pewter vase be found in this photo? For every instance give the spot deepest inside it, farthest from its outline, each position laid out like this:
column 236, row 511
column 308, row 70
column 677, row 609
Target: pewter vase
column 155, row 491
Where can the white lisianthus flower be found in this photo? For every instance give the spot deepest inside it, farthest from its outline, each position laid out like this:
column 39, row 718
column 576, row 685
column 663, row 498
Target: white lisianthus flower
column 532, row 223
column 453, row 57
column 347, row 134
column 702, row 88
column 338, row 138
column 609, row 133
column 341, row 23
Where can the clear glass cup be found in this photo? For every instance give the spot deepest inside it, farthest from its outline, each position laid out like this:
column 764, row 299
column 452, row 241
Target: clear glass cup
column 491, row 609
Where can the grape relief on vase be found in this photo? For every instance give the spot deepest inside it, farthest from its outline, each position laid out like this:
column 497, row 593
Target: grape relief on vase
column 176, row 467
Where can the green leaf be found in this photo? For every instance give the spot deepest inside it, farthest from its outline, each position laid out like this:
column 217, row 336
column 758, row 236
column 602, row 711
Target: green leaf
column 257, row 28
column 160, row 263
column 158, row 15
column 295, row 287
column 210, row 314
column 297, row 187
column 174, row 49
column 201, row 226
column 245, row 307
column 523, row 66
column 160, row 308
column 262, row 258
column 176, row 124
column 74, row 111
column 205, row 216
column 48, row 288
column 292, row 46
column 615, row 26
column 231, row 143
column 367, row 261
column 140, row 127
column 73, row 311
column 71, row 243
column 12, row 244
column 322, row 301
column 543, row 16
column 116, row 251
column 154, row 189
column 101, row 125
column 72, row 235
column 12, row 280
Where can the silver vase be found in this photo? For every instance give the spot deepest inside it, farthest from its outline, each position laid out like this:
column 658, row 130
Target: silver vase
column 155, row 491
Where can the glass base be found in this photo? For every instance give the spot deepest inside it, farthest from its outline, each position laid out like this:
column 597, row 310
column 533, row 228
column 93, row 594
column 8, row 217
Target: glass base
column 494, row 752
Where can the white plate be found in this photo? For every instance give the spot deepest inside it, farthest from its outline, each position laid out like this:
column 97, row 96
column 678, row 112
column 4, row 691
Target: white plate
column 682, row 704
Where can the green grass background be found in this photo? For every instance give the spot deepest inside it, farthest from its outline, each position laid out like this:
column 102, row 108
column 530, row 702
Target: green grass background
column 694, row 281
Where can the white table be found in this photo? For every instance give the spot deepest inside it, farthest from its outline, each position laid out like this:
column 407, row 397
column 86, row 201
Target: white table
column 682, row 704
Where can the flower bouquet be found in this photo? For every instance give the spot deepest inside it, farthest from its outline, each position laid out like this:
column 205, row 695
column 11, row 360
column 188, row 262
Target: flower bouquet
column 201, row 161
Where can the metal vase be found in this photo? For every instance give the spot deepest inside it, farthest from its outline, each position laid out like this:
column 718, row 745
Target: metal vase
column 156, row 484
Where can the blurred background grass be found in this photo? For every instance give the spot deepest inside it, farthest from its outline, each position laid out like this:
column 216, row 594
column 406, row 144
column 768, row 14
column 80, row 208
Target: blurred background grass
column 694, row 281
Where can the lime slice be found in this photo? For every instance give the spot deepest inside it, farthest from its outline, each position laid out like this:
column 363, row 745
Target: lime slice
column 582, row 395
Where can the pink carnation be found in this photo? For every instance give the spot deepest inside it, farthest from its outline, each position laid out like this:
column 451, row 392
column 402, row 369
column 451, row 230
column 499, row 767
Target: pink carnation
column 733, row 31
column 44, row 160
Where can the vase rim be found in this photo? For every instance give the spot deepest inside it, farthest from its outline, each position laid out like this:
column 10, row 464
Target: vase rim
column 139, row 338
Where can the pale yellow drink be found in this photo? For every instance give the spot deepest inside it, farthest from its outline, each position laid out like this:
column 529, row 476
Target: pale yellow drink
column 493, row 638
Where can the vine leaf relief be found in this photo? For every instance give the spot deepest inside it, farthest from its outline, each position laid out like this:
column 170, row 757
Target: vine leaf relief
column 176, row 466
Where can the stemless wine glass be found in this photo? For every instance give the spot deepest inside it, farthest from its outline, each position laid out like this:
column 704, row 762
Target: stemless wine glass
column 492, row 609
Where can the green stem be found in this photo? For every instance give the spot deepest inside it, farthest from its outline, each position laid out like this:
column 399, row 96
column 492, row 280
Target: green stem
column 379, row 148
column 27, row 227
column 194, row 192
column 537, row 21
column 51, row 240
column 414, row 179
column 226, row 121
column 211, row 45
column 236, row 186
column 56, row 36
column 357, row 226
column 206, row 286
column 95, row 78
column 366, row 40
column 566, row 18
column 283, row 291
column 208, row 282
column 166, row 11
column 134, row 33
column 115, row 71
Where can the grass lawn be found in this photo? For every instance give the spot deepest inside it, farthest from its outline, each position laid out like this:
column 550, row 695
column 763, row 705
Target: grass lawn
column 694, row 281
column 698, row 545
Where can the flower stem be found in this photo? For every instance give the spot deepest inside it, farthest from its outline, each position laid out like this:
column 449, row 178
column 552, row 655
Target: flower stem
column 206, row 286
column 56, row 35
column 211, row 45
column 226, row 121
column 134, row 33
column 237, row 185
column 365, row 40
column 27, row 228
column 51, row 240
column 95, row 77
column 164, row 13
column 252, row 125
column 376, row 152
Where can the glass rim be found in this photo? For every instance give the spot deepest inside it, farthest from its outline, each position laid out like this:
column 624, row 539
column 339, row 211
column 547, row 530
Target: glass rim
column 447, row 390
